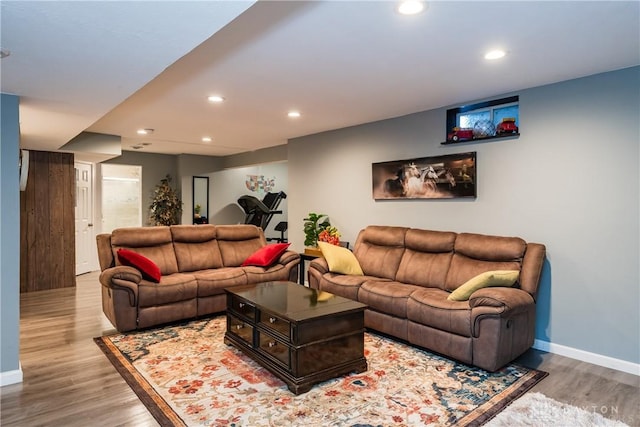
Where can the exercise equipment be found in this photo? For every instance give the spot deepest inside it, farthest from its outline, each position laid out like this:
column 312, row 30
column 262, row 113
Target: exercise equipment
column 282, row 226
column 259, row 212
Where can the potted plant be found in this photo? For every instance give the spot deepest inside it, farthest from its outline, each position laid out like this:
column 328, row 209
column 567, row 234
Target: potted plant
column 196, row 211
column 314, row 224
column 166, row 207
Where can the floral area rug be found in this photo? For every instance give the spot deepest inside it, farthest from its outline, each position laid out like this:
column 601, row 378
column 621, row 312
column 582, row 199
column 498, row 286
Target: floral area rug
column 187, row 376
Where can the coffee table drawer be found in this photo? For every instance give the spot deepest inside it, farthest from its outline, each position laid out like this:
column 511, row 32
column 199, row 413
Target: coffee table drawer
column 275, row 348
column 242, row 307
column 240, row 329
column 275, row 323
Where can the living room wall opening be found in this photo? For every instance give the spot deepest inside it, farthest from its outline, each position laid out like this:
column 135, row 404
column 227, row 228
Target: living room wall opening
column 121, row 196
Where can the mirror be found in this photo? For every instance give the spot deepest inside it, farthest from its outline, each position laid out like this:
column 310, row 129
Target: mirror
column 200, row 199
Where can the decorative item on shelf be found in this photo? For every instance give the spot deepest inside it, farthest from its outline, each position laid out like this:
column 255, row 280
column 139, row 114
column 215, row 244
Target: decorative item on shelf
column 166, row 206
column 460, row 134
column 484, row 129
column 196, row 211
column 506, row 126
column 483, row 121
column 314, row 224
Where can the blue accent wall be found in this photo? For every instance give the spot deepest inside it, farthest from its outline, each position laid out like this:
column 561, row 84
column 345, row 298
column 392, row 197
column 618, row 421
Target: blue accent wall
column 9, row 240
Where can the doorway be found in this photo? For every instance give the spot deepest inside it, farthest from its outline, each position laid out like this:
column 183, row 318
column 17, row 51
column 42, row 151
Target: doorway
column 121, row 196
column 85, row 233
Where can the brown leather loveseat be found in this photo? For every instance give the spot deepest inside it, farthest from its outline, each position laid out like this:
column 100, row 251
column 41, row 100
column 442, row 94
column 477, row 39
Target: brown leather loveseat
column 409, row 274
column 196, row 262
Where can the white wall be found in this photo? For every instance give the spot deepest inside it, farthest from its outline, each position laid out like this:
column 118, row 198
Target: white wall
column 570, row 181
column 226, row 187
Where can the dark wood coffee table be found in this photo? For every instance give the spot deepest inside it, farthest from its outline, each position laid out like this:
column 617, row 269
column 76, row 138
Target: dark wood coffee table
column 302, row 335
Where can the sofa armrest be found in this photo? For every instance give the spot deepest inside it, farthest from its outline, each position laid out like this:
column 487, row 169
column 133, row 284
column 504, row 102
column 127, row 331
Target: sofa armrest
column 507, row 298
column 317, row 268
column 288, row 257
column 504, row 303
column 122, row 272
column 122, row 277
column 320, row 265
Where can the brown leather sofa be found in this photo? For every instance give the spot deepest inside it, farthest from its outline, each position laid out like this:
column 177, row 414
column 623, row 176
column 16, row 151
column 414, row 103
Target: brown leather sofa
column 196, row 261
column 409, row 273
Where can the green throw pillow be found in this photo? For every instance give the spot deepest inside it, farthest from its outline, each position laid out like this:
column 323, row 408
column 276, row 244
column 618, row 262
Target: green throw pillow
column 484, row 280
column 340, row 260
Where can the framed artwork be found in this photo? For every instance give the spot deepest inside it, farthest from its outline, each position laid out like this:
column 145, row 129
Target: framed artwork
column 440, row 177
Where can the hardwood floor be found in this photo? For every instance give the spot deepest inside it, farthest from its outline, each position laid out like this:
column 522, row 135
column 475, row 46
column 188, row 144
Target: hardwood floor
column 69, row 382
column 67, row 379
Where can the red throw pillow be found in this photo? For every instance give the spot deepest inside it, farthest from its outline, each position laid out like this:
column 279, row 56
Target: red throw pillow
column 148, row 268
column 266, row 255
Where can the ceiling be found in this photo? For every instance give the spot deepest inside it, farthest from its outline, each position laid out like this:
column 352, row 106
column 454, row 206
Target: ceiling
column 115, row 67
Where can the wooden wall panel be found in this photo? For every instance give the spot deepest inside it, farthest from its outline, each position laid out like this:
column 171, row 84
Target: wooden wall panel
column 47, row 223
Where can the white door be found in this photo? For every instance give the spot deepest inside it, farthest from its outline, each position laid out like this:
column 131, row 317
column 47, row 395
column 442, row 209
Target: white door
column 85, row 239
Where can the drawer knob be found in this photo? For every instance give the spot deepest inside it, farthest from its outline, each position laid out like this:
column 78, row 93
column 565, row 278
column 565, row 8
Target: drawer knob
column 241, row 304
column 273, row 344
column 238, row 327
column 272, row 320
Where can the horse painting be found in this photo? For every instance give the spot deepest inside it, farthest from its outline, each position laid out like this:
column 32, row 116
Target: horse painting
column 447, row 176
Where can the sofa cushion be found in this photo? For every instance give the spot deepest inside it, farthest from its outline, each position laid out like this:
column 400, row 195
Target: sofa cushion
column 340, row 260
column 427, row 257
column 430, row 307
column 152, row 242
column 213, row 281
column 490, row 248
column 237, row 242
column 478, row 253
column 463, row 269
column 172, row 288
column 379, row 250
column 266, row 255
column 484, row 280
column 196, row 248
column 386, row 296
column 148, row 268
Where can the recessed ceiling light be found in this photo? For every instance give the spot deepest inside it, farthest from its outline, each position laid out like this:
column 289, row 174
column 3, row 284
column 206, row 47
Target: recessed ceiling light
column 206, row 139
column 495, row 54
column 215, row 98
column 293, row 114
column 411, row 7
column 144, row 131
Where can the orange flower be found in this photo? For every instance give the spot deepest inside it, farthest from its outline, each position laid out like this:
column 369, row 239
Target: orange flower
column 330, row 235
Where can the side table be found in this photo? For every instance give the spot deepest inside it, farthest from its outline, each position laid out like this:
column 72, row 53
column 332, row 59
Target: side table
column 302, row 267
column 310, row 254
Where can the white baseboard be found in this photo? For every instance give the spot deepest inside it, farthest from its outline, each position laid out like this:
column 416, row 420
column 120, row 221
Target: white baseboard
column 11, row 377
column 586, row 356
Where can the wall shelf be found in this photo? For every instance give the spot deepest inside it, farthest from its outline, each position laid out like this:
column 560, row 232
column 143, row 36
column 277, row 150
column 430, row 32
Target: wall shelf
column 483, row 118
column 479, row 140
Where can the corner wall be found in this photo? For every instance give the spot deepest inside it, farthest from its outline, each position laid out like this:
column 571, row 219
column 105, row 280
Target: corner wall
column 10, row 371
column 570, row 181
